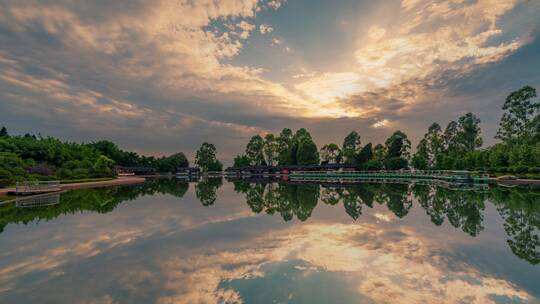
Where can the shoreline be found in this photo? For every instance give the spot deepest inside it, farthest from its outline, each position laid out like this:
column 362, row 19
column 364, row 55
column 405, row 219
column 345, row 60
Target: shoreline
column 515, row 182
column 97, row 184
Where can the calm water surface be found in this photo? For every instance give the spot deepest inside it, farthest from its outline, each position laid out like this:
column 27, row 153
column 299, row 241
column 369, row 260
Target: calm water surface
column 168, row 241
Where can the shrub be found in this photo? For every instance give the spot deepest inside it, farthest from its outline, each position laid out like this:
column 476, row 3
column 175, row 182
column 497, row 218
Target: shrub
column 520, row 169
column 502, row 169
column 534, row 170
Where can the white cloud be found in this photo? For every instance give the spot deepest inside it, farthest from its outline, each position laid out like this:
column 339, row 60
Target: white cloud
column 265, row 29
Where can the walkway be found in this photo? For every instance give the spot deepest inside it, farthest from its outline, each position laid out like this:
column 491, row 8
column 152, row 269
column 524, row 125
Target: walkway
column 127, row 180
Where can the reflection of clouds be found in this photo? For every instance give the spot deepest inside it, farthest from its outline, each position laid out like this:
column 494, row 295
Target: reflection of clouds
column 57, row 256
column 397, row 265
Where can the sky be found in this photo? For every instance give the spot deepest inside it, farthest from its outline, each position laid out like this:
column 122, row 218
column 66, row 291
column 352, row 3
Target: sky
column 159, row 77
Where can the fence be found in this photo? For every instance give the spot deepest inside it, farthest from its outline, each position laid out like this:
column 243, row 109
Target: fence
column 32, row 187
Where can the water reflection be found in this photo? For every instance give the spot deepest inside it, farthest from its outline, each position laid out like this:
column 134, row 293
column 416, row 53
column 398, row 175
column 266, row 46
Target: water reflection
column 102, row 200
column 171, row 242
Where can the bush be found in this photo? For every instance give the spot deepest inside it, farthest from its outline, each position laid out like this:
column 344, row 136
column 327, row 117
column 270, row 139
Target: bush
column 534, row 170
column 373, row 165
column 6, row 178
column 520, row 169
column 502, row 169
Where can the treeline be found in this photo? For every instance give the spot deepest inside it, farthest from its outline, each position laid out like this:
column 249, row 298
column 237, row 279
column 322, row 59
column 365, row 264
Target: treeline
column 458, row 147
column 32, row 157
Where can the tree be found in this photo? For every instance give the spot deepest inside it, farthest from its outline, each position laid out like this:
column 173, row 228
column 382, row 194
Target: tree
column 330, row 153
column 468, row 134
column 397, row 149
column 241, row 161
column 519, row 109
column 271, row 149
column 205, row 157
column 103, row 166
column 307, row 153
column 429, row 149
column 4, row 132
column 378, row 152
column 450, row 137
column 173, row 163
column 365, row 155
column 285, row 142
column 255, row 151
column 351, row 146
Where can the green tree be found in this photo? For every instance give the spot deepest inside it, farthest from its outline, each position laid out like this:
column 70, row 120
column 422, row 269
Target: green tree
column 3, row 132
column 307, row 153
column 450, row 137
column 365, row 155
column 351, row 147
column 271, row 149
column 241, row 161
column 285, row 143
column 520, row 109
column 330, row 153
column 255, row 151
column 397, row 149
column 469, row 134
column 103, row 166
column 205, row 157
column 173, row 163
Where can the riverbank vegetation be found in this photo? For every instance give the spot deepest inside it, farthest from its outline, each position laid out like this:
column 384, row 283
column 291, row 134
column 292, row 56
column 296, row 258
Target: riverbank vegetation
column 456, row 147
column 31, row 157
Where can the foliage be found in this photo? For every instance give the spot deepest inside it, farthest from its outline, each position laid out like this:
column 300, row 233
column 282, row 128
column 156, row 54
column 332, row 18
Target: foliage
column 31, row 157
column 255, row 151
column 520, row 110
column 206, row 159
column 241, row 161
column 307, row 153
column 351, row 147
column 518, row 153
column 330, row 153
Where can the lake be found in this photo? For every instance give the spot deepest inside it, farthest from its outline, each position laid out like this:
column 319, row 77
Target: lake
column 216, row 241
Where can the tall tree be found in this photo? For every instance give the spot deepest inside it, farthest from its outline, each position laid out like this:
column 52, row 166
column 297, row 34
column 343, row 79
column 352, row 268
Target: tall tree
column 271, row 149
column 429, row 149
column 365, row 155
column 330, row 153
column 301, row 137
column 4, row 132
column 205, row 157
column 241, row 161
column 450, row 136
column 255, row 151
column 468, row 135
column 307, row 153
column 285, row 142
column 351, row 147
column 397, row 151
column 520, row 109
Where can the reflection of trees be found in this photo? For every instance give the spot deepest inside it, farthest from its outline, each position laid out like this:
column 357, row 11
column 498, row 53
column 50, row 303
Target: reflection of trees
column 521, row 212
column 463, row 209
column 396, row 197
column 288, row 200
column 101, row 200
column 206, row 190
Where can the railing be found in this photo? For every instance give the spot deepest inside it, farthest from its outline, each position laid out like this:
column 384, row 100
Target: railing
column 29, row 187
column 440, row 175
column 38, row 201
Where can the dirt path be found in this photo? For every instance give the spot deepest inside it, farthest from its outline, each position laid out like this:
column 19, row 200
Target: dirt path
column 125, row 180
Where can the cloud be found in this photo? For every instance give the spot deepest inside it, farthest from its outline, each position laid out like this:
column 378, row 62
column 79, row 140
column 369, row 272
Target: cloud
column 173, row 69
column 265, row 29
column 275, row 4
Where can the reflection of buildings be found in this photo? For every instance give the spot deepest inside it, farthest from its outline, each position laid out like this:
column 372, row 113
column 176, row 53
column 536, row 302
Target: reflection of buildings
column 188, row 173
